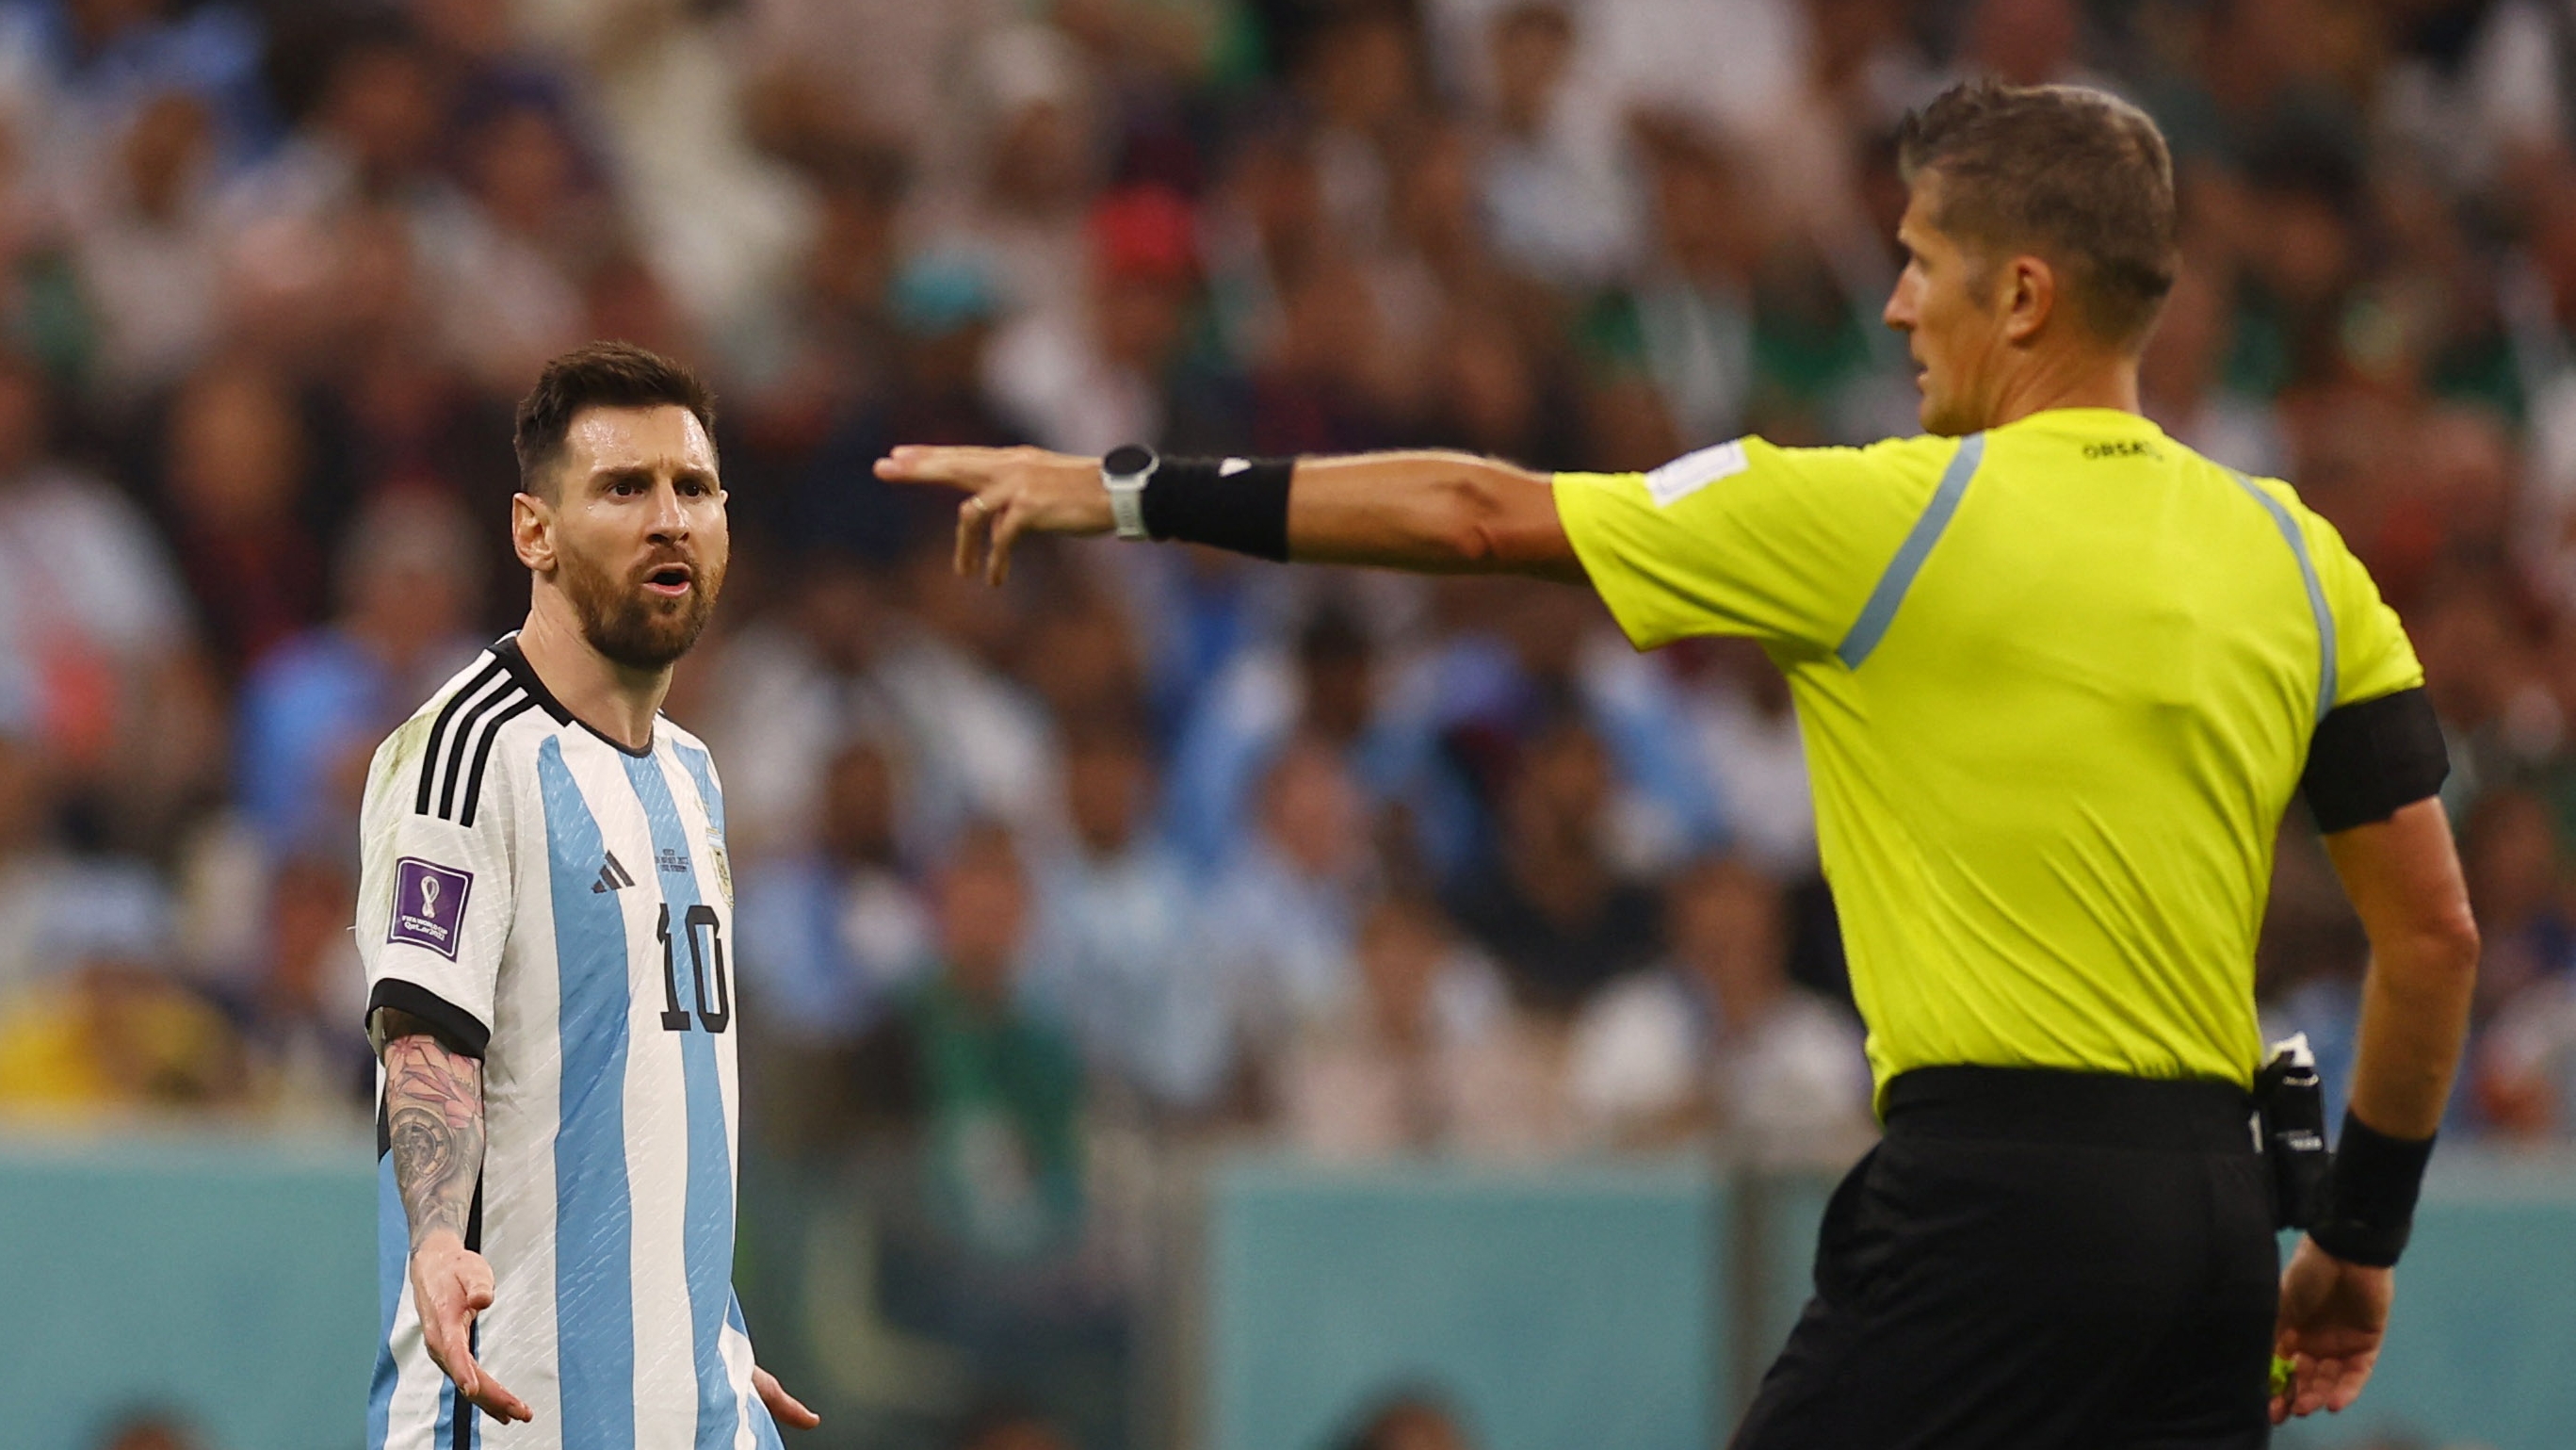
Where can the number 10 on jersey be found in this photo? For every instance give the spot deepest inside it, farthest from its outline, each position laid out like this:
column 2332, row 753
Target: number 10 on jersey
column 675, row 1017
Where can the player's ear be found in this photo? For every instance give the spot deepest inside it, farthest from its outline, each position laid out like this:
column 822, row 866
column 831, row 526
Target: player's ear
column 532, row 531
column 2030, row 297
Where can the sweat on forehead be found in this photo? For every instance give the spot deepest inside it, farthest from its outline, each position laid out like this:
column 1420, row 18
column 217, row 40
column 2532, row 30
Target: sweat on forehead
column 652, row 439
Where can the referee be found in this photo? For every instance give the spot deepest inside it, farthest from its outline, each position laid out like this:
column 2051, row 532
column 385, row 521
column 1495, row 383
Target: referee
column 2058, row 677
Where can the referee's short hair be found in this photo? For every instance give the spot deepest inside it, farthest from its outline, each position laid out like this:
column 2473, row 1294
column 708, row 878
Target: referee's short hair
column 597, row 375
column 2071, row 174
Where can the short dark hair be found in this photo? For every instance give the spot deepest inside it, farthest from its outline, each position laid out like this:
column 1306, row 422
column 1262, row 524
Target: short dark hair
column 2076, row 175
column 598, row 375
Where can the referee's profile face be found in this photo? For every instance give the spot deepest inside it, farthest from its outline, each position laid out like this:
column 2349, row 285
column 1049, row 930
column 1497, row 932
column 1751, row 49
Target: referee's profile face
column 1959, row 312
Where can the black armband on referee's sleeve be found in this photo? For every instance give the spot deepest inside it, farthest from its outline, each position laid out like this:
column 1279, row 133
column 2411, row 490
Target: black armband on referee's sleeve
column 2370, row 758
column 2370, row 1198
column 1233, row 503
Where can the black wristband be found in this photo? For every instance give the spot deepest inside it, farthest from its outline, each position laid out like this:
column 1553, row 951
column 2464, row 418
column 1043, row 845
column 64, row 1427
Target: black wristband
column 1231, row 503
column 2370, row 1202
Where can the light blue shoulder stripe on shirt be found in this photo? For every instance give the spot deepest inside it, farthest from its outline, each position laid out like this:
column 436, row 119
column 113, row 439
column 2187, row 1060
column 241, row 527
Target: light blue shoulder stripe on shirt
column 703, row 771
column 594, row 1203
column 2327, row 685
column 706, row 1233
column 1880, row 611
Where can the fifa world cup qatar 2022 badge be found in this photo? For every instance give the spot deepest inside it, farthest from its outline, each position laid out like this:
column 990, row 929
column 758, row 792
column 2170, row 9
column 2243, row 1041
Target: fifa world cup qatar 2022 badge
column 429, row 904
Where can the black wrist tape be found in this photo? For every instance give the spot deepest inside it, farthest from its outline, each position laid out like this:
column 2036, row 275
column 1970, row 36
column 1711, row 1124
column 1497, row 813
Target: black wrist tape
column 2370, row 1201
column 1198, row 501
column 2371, row 758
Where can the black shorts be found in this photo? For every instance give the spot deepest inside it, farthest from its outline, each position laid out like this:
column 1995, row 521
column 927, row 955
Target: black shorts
column 2033, row 1260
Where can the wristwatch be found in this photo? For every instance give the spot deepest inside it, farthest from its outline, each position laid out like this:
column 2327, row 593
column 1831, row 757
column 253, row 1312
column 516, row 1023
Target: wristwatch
column 1125, row 473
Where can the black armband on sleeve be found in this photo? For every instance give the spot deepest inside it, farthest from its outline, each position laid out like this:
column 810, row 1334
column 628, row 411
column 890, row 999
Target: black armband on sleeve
column 2370, row 1197
column 1196, row 500
column 2372, row 757
column 455, row 1028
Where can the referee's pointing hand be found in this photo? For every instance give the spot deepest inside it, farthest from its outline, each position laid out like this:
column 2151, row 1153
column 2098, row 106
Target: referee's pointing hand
column 450, row 1284
column 1010, row 491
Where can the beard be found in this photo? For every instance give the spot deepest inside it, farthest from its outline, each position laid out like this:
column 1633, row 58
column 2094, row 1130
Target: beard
column 631, row 626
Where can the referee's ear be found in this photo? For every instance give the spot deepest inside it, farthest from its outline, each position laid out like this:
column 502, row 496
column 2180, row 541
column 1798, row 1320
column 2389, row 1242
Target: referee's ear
column 2027, row 297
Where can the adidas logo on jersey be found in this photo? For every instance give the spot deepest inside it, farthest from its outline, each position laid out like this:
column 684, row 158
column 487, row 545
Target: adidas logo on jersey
column 611, row 876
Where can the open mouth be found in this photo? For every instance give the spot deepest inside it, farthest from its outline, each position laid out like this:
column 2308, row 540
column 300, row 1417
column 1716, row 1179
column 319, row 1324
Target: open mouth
column 671, row 580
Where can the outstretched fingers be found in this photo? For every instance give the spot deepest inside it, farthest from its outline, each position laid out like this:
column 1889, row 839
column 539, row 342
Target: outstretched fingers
column 1010, row 492
column 489, row 1395
column 500, row 1404
column 970, row 470
column 963, row 468
column 2322, row 1382
column 1010, row 520
column 2338, row 1381
column 783, row 1407
column 447, row 1331
column 970, row 535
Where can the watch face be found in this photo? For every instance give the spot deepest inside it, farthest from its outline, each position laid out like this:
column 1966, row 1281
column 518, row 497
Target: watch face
column 1127, row 461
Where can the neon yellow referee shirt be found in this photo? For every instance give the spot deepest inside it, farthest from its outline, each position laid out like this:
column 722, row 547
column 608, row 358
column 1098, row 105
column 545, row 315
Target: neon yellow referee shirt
column 2056, row 683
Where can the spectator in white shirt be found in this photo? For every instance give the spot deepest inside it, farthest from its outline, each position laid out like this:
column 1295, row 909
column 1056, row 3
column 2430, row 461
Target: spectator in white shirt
column 1289, row 905
column 1121, row 953
column 1427, row 1056
column 1720, row 1038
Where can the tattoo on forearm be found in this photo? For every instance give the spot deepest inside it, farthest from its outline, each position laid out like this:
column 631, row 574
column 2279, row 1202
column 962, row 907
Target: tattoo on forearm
column 434, row 1113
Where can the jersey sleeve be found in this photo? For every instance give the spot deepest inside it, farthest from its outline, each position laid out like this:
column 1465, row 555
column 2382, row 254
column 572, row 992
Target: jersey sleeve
column 2373, row 656
column 2379, row 747
column 1782, row 545
column 435, row 897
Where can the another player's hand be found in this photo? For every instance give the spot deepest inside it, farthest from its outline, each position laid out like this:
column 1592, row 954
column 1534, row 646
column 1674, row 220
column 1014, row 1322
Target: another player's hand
column 1010, row 491
column 2333, row 1315
column 451, row 1284
column 783, row 1407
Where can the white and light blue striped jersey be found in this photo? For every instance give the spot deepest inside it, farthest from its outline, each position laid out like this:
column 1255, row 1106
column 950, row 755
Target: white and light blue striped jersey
column 564, row 906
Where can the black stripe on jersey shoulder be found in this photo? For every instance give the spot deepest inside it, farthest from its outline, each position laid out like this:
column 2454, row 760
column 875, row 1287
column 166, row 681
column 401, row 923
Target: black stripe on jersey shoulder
column 516, row 662
column 461, row 1030
column 438, row 730
column 483, row 753
column 469, row 730
column 537, row 689
column 526, row 675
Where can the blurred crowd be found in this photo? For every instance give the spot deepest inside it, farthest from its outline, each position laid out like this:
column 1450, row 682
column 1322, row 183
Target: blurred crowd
column 1159, row 845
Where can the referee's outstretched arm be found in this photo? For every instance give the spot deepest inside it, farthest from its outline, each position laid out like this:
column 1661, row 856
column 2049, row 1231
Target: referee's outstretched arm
column 1425, row 511
column 2404, row 879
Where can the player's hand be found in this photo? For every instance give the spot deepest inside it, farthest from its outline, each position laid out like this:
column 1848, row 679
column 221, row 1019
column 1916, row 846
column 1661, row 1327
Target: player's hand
column 450, row 1284
column 2333, row 1315
column 1010, row 491
column 783, row 1407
